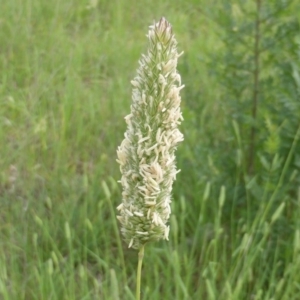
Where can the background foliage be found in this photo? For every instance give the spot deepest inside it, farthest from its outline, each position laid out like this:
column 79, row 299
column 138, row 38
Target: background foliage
column 65, row 68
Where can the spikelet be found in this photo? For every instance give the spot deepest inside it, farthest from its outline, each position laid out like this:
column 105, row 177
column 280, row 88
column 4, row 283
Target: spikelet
column 146, row 155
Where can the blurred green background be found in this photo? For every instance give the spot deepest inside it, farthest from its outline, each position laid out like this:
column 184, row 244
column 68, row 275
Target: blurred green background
column 65, row 71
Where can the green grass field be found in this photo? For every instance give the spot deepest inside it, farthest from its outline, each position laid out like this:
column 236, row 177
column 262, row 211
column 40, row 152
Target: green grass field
column 65, row 71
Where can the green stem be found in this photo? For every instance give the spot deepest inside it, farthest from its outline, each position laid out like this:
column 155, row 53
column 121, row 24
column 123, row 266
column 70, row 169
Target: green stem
column 139, row 273
column 256, row 74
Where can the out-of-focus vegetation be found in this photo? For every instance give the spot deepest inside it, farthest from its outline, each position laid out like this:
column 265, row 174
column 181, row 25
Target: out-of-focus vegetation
column 65, row 71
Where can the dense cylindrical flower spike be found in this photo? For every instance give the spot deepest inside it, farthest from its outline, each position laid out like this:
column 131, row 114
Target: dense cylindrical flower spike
column 146, row 155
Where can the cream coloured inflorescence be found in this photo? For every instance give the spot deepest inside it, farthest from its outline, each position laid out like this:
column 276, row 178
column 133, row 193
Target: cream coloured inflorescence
column 146, row 155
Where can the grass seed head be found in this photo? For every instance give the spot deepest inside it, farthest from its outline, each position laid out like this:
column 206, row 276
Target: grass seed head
column 146, row 155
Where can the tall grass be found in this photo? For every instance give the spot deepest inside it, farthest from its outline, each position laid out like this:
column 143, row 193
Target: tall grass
column 65, row 68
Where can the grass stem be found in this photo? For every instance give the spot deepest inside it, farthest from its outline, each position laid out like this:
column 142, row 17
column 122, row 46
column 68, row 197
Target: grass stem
column 139, row 273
